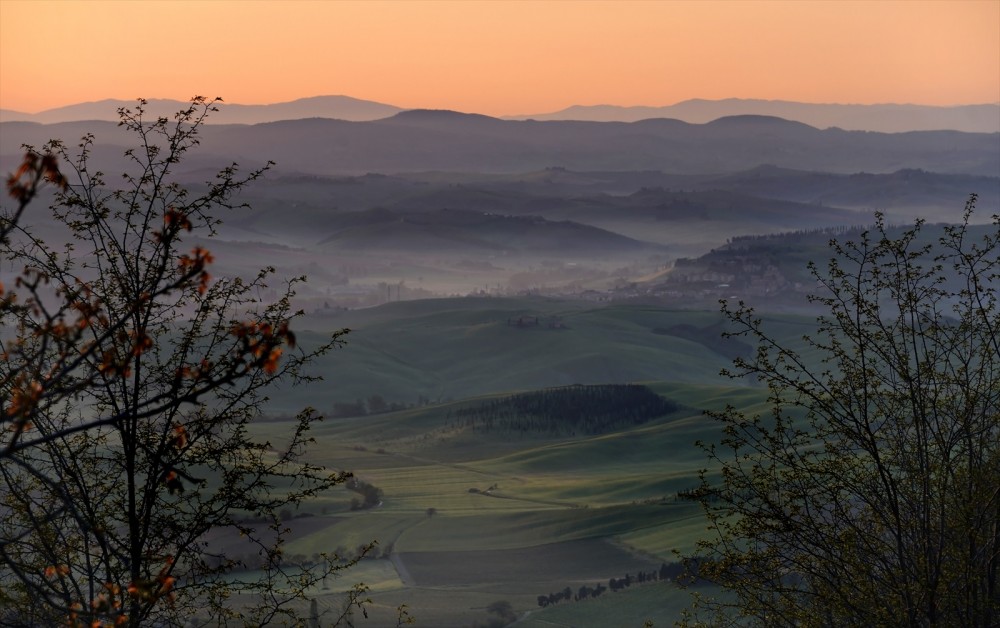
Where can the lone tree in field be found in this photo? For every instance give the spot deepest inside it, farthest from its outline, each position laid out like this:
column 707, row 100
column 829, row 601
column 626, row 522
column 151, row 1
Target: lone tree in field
column 128, row 382
column 870, row 494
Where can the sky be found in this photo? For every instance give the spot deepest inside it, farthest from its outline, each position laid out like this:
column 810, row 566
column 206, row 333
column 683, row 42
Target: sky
column 499, row 58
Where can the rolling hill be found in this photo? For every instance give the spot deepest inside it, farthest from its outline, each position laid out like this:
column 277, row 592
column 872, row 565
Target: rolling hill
column 454, row 348
column 883, row 118
column 429, row 140
column 469, row 517
column 473, row 232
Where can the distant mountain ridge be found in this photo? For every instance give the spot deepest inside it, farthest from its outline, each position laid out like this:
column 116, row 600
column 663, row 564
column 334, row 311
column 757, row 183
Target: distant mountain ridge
column 420, row 141
column 334, row 107
column 883, row 118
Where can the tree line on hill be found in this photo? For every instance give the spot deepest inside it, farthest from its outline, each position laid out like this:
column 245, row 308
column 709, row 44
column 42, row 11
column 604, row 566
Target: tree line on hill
column 373, row 404
column 819, row 234
column 665, row 572
column 768, row 249
column 587, row 409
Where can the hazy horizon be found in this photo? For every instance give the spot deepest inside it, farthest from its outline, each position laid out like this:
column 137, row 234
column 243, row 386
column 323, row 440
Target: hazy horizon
column 500, row 59
column 227, row 101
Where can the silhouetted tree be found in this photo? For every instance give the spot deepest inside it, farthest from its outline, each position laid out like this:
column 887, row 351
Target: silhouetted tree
column 870, row 493
column 372, row 494
column 128, row 381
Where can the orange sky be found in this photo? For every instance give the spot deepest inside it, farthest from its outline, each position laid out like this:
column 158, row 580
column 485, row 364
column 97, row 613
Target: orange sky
column 499, row 57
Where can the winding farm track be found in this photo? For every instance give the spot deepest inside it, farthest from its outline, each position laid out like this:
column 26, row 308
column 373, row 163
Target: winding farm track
column 491, row 474
column 401, row 570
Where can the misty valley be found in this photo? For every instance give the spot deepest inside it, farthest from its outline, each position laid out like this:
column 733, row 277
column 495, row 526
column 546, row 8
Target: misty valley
column 535, row 333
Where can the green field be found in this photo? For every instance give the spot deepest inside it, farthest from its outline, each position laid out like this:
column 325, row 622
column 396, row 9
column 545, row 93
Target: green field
column 458, row 348
column 468, row 517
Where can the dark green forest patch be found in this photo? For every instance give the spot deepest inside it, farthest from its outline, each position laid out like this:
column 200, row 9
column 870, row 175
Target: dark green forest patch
column 583, row 409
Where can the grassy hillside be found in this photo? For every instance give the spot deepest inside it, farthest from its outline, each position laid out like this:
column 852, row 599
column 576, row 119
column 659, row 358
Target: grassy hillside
column 467, row 517
column 443, row 349
column 470, row 518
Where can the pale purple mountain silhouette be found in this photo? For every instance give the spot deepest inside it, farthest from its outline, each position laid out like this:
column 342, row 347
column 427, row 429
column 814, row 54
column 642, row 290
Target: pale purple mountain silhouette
column 336, row 107
column 884, row 118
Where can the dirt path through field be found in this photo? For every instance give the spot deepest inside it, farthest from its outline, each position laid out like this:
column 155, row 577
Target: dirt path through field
column 491, row 474
column 401, row 570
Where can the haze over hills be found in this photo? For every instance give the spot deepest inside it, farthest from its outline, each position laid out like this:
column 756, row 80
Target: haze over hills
column 884, row 118
column 639, row 205
column 478, row 258
column 475, row 232
column 419, row 140
column 450, row 203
